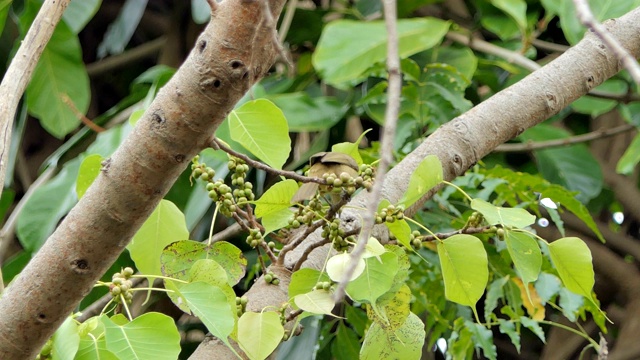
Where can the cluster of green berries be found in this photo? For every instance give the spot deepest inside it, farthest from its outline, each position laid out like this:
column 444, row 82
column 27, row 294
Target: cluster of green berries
column 201, row 170
column 365, row 177
column 336, row 235
column 302, row 217
column 415, row 241
column 324, row 285
column 390, row 214
column 241, row 305
column 121, row 286
column 255, row 238
column 475, row 219
column 222, row 193
column 271, row 278
column 337, row 183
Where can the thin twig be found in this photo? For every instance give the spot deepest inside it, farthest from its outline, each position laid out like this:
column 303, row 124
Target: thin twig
column 217, row 144
column 307, row 251
column 271, row 25
column 286, row 19
column 126, row 58
column 292, row 315
column 386, row 149
column 587, row 19
column 20, row 71
column 85, row 120
column 594, row 135
column 331, row 214
column 442, row 236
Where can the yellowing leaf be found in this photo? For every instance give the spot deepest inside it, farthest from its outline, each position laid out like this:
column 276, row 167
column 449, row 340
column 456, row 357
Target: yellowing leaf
column 534, row 307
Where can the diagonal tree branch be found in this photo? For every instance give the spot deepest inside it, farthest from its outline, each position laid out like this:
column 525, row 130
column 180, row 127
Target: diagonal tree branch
column 232, row 53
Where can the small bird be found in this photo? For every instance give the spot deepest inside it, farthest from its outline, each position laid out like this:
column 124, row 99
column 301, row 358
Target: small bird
column 333, row 163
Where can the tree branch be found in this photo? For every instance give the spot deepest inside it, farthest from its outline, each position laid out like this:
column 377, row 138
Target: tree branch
column 19, row 72
column 594, row 135
column 176, row 126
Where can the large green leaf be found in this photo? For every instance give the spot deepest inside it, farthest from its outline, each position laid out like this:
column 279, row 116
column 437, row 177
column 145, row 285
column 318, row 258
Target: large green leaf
column 572, row 259
column 210, row 304
column 497, row 215
column 316, row 302
column 347, row 48
column 93, row 345
column 273, row 206
column 304, row 280
column 66, row 340
column 427, row 175
column 88, row 172
column 79, row 12
column 46, row 206
column 375, row 280
column 525, row 253
column 630, row 158
column 60, row 77
column 601, row 9
column 464, row 268
column 149, row 336
column 259, row 333
column 517, row 9
column 5, row 6
column 178, row 258
column 572, row 167
column 260, row 126
column 165, row 226
column 483, row 339
column 403, row 343
column 306, row 113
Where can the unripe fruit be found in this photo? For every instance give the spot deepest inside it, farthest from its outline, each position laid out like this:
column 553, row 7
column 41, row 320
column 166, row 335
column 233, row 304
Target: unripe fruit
column 268, row 278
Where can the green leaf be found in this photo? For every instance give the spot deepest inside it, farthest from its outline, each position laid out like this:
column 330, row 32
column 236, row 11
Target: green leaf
column 93, row 345
column 273, row 206
column 178, row 258
column 547, row 287
column 512, row 217
column 570, row 304
column 483, row 339
column 517, row 9
column 305, row 113
column 46, row 206
column 403, row 343
column 402, row 231
column 79, row 12
column 375, row 280
column 88, row 172
column 462, row 59
column 572, row 259
column 59, row 77
column 149, row 336
column 347, row 48
column 165, row 226
column 602, row 10
column 350, row 148
column 347, row 344
column 122, row 28
column 259, row 333
column 464, row 268
column 337, row 267
column 395, row 306
column 5, row 6
column 427, row 175
column 494, row 294
column 534, row 327
column 66, row 340
column 304, row 280
column 630, row 158
column 573, row 167
column 316, row 302
column 594, row 106
column 260, row 126
column 509, row 328
column 210, row 304
column 525, row 253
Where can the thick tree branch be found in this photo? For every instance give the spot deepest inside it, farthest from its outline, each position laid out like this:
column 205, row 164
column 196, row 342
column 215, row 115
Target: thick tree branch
column 232, row 53
column 19, row 72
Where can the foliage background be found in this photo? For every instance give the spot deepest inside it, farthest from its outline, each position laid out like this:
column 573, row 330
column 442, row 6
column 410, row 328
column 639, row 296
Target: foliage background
column 110, row 58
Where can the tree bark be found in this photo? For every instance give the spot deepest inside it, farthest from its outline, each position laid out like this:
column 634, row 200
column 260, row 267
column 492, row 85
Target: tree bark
column 234, row 51
column 462, row 142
